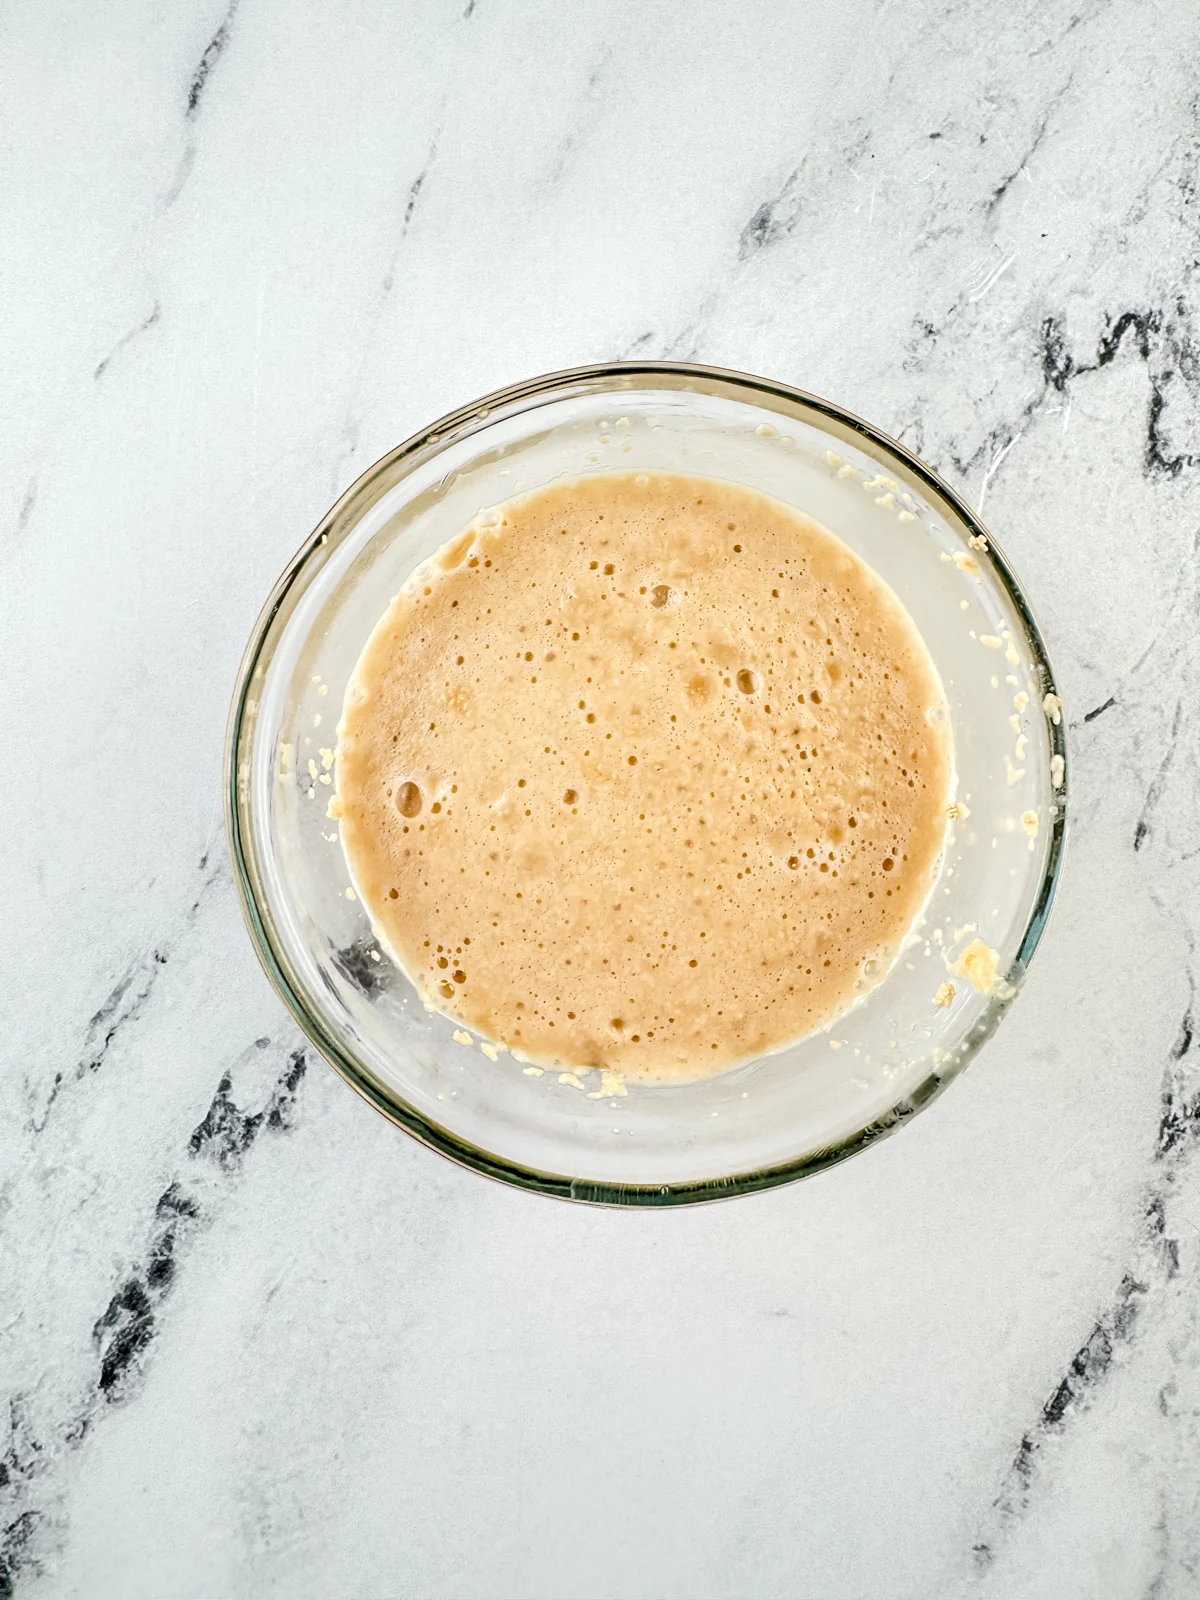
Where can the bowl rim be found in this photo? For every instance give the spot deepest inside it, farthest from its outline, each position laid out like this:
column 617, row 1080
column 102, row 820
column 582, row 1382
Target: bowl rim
column 335, row 525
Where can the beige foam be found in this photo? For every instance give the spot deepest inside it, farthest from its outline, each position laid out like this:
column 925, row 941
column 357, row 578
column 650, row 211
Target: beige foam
column 649, row 773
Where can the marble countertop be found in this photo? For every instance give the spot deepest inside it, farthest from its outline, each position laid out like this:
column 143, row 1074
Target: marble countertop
column 254, row 1341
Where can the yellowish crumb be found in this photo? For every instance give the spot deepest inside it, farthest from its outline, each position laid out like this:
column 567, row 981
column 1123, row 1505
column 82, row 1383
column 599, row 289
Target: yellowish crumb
column 944, row 995
column 833, row 458
column 334, row 808
column 989, row 641
column 489, row 1050
column 767, row 432
column 1013, row 775
column 1021, row 700
column 906, row 516
column 312, row 768
column 835, row 1044
column 1057, row 771
column 966, row 562
column 326, row 758
column 317, row 720
column 569, row 1078
column 977, row 542
column 1010, row 653
column 957, row 811
column 1014, row 723
column 1029, row 821
column 978, row 964
column 350, row 895
column 532, row 1072
column 324, row 689
column 1052, row 706
column 462, row 1038
column 846, row 472
column 887, row 501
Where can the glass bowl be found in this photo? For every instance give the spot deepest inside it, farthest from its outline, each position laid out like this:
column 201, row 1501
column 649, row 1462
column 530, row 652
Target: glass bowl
column 768, row 1121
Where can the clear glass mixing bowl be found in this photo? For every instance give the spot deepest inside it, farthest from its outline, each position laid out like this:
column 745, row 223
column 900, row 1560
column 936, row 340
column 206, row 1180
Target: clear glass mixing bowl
column 786, row 1114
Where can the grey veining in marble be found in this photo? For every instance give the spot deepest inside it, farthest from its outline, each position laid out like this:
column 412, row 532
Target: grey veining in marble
column 252, row 1340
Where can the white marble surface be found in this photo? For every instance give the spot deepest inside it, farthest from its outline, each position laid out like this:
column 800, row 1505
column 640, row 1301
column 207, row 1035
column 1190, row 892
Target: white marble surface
column 253, row 1341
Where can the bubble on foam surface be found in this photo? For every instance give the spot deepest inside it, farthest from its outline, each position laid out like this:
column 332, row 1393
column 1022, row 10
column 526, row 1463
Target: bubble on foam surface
column 408, row 799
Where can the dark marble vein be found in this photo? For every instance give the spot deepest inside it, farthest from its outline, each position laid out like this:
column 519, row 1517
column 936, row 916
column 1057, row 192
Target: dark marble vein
column 127, row 338
column 1079, row 18
column 1159, row 458
column 23, row 1462
column 1154, row 793
column 640, row 347
column 1117, row 1326
column 27, row 505
column 14, row 1551
column 1113, row 1329
column 1098, row 711
column 216, row 48
column 351, row 424
column 125, row 1002
column 773, row 220
column 125, row 1330
column 685, row 346
column 127, row 1325
column 411, row 200
column 123, row 1005
column 1179, row 1122
column 182, row 173
column 1164, row 342
column 591, row 104
column 227, row 1132
column 1039, row 134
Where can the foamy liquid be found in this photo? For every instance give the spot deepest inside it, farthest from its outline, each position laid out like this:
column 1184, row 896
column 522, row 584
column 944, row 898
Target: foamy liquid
column 648, row 773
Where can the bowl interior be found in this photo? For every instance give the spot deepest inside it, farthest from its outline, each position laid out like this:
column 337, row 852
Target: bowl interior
column 783, row 1114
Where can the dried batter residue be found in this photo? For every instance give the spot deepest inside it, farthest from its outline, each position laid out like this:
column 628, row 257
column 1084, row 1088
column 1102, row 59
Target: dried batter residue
column 978, row 964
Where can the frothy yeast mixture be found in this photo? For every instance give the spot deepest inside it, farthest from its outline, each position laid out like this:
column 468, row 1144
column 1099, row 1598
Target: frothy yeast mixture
column 644, row 772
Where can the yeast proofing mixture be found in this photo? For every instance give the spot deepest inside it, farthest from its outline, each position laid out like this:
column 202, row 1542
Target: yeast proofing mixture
column 647, row 773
